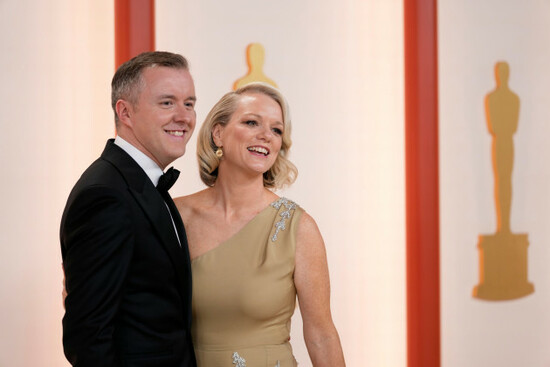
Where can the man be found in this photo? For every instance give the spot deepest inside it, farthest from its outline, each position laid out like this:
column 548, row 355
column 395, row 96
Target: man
column 124, row 249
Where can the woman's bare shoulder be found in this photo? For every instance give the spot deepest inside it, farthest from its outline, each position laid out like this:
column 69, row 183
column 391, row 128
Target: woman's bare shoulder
column 308, row 236
column 307, row 225
column 191, row 203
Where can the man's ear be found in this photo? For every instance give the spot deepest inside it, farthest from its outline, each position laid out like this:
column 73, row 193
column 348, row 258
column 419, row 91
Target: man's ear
column 217, row 133
column 124, row 112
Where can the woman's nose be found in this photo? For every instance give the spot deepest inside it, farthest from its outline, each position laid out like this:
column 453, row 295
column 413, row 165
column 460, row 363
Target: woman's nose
column 265, row 133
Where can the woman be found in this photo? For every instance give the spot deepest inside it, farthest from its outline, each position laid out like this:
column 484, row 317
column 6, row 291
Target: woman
column 253, row 252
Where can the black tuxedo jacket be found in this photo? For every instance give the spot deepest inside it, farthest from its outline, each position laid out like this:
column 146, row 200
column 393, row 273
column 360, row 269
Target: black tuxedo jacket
column 128, row 280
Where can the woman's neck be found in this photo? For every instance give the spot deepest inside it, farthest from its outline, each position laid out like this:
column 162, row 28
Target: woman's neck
column 236, row 194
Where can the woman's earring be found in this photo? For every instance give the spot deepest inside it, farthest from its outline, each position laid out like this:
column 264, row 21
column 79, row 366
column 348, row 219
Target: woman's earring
column 219, row 152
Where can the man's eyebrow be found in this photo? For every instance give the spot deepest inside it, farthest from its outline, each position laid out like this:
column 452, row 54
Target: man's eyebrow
column 171, row 96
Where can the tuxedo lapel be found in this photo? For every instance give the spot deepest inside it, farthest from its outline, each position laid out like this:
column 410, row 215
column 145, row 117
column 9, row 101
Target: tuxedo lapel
column 184, row 250
column 178, row 223
column 154, row 208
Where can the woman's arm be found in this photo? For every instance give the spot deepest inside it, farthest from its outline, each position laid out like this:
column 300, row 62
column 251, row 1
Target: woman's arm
column 313, row 287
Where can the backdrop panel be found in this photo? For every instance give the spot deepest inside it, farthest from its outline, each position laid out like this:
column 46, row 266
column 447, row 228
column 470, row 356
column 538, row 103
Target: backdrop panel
column 57, row 61
column 473, row 37
column 340, row 67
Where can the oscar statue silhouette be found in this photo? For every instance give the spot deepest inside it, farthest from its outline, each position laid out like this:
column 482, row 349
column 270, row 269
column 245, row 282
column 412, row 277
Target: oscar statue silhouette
column 255, row 55
column 502, row 255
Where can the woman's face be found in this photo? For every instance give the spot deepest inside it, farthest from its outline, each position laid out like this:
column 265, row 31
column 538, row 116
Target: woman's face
column 252, row 138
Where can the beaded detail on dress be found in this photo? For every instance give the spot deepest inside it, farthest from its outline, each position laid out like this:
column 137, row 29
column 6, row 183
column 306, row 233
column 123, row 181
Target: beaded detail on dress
column 238, row 361
column 285, row 214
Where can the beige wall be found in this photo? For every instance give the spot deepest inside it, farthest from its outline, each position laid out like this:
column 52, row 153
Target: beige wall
column 473, row 36
column 56, row 65
column 341, row 69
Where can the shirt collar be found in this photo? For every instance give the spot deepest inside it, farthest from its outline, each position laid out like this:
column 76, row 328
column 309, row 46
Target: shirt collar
column 152, row 170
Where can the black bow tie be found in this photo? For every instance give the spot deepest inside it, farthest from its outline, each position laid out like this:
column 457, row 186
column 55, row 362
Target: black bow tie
column 167, row 180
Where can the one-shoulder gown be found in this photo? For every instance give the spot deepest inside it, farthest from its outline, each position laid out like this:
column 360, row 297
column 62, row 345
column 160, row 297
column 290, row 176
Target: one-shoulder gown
column 244, row 294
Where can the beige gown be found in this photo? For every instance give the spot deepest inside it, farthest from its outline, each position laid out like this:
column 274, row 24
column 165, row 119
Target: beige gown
column 244, row 294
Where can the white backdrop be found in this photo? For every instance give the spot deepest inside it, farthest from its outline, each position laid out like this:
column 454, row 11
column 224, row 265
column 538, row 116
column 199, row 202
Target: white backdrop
column 474, row 35
column 339, row 64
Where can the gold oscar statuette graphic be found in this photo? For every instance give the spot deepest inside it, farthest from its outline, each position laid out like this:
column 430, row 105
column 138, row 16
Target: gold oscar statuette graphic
column 502, row 255
column 255, row 56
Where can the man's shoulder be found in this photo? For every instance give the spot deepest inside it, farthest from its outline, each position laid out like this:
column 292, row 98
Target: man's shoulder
column 101, row 172
column 112, row 168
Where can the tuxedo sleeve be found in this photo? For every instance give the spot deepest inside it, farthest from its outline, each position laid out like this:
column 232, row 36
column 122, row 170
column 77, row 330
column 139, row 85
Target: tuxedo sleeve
column 97, row 237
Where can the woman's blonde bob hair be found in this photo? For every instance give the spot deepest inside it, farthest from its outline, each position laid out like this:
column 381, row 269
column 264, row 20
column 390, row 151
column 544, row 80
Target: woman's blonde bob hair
column 281, row 174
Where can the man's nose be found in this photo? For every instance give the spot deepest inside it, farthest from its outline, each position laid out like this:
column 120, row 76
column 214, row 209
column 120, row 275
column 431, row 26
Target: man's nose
column 185, row 114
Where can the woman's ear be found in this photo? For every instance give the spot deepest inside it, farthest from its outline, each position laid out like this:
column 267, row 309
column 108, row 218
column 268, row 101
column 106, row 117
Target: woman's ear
column 124, row 111
column 217, row 133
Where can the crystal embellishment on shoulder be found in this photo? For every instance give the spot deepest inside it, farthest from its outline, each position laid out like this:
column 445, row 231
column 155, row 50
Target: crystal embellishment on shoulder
column 238, row 361
column 285, row 214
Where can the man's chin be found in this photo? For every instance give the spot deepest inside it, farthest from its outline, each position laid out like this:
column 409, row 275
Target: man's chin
column 177, row 154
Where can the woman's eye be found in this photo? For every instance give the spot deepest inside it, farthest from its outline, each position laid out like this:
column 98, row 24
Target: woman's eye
column 278, row 131
column 251, row 122
column 166, row 103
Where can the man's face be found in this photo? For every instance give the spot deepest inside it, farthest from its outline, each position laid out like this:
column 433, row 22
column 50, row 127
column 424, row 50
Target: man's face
column 163, row 117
